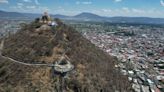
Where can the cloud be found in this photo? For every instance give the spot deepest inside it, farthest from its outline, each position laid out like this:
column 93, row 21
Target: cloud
column 4, row 1
column 20, row 4
column 117, row 0
column 106, row 10
column 126, row 9
column 85, row 3
column 36, row 2
column 27, row 0
column 162, row 2
column 31, row 7
column 77, row 2
column 32, row 1
column 138, row 11
column 44, row 8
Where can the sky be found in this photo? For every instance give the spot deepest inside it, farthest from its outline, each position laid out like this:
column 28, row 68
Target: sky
column 130, row 8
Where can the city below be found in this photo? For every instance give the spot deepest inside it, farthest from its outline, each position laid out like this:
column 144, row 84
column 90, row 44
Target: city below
column 138, row 48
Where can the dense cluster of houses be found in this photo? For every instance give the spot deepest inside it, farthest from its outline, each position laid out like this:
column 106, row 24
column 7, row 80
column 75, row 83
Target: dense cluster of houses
column 141, row 56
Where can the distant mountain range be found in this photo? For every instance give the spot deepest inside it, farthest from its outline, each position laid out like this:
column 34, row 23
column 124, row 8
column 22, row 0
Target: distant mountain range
column 88, row 17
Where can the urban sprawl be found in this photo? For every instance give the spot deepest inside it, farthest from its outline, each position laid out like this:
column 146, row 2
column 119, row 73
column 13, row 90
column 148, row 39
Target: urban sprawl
column 138, row 48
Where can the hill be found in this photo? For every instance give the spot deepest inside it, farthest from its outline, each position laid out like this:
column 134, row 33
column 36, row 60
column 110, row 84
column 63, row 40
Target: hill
column 87, row 16
column 94, row 70
column 10, row 14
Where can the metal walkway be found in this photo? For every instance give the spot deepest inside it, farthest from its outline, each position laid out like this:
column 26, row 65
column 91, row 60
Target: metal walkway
column 23, row 63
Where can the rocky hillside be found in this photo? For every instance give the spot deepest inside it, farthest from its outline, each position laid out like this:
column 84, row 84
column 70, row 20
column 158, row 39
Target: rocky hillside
column 38, row 43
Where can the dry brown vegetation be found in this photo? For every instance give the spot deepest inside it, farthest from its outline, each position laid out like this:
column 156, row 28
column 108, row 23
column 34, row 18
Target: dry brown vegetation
column 94, row 70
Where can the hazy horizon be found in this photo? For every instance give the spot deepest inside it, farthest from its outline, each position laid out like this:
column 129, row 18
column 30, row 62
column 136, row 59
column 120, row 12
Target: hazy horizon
column 110, row 8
